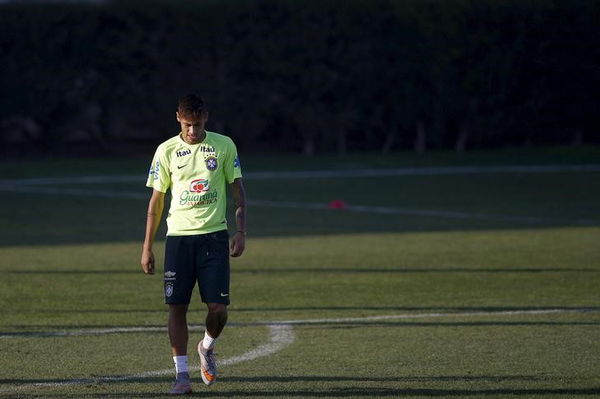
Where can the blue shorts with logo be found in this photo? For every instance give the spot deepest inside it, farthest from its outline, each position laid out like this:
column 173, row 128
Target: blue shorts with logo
column 202, row 258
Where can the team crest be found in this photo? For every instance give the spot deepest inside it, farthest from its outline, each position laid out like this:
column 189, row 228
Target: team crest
column 168, row 289
column 211, row 163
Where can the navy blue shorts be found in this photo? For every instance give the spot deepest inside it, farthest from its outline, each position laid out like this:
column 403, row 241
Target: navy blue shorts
column 202, row 258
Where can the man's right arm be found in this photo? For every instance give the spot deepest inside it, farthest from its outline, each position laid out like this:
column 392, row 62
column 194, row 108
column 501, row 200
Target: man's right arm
column 155, row 210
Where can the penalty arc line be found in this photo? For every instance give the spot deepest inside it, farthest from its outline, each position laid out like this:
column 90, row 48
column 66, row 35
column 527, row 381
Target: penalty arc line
column 280, row 336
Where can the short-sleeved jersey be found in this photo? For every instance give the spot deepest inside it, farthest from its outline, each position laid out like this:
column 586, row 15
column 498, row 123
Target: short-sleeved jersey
column 197, row 175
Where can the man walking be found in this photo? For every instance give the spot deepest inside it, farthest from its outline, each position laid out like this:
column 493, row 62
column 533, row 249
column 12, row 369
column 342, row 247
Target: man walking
column 196, row 165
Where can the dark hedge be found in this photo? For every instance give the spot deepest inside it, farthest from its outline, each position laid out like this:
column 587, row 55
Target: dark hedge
column 305, row 76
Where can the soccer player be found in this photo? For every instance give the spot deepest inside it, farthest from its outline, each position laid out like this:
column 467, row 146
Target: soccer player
column 196, row 166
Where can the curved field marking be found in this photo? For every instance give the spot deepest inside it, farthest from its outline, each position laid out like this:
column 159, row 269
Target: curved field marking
column 280, row 336
column 436, row 315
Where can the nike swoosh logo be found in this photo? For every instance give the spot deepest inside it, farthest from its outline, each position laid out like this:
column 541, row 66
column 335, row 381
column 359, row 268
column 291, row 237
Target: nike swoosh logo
column 182, row 166
column 224, row 294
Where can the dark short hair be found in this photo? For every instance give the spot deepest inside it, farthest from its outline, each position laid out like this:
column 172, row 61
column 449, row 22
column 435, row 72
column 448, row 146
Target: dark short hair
column 191, row 105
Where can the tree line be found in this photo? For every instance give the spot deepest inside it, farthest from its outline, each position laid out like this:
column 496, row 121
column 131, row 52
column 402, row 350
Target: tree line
column 309, row 76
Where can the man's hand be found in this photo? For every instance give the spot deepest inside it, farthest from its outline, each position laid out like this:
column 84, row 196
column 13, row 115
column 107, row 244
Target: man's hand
column 238, row 243
column 147, row 261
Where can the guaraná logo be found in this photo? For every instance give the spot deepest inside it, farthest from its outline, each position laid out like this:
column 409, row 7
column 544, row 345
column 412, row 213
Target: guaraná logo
column 199, row 186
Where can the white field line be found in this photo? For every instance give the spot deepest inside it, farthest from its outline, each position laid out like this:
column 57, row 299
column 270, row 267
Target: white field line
column 280, row 336
column 40, row 186
column 432, row 316
column 316, row 174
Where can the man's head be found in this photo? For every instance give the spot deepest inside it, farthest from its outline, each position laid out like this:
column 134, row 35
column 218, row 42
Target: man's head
column 192, row 116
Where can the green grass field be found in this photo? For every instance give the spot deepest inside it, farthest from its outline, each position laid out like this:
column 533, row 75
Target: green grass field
column 446, row 284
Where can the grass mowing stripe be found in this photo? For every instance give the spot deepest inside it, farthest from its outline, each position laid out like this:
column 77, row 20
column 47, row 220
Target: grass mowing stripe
column 458, row 170
column 419, row 212
column 278, row 324
column 280, row 336
column 313, row 205
column 75, row 191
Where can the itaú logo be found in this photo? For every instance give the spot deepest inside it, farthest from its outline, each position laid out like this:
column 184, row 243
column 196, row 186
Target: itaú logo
column 199, row 186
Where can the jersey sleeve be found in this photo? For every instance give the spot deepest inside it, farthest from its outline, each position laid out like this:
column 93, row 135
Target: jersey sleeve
column 159, row 177
column 233, row 169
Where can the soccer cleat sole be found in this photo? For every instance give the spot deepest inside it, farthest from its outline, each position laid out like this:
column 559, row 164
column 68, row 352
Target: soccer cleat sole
column 208, row 378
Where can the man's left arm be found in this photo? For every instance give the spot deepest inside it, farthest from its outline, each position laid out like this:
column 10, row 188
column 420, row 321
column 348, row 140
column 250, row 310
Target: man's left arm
column 238, row 242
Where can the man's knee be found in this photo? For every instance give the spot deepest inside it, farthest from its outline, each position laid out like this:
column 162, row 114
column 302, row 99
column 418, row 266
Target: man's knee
column 217, row 308
column 178, row 310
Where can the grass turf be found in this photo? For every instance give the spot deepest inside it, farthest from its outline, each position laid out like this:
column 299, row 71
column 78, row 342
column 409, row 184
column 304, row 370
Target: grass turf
column 452, row 280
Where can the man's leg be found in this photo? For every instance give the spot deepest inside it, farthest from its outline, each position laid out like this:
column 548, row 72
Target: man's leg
column 179, row 282
column 215, row 322
column 178, row 335
column 178, row 329
column 213, row 280
column 216, row 319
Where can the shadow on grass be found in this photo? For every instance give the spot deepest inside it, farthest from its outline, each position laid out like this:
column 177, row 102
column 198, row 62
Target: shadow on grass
column 67, row 212
column 334, row 390
column 37, row 272
column 415, row 270
column 449, row 309
column 346, row 326
column 434, row 309
column 289, row 379
column 362, row 309
column 399, row 392
column 332, row 270
column 66, row 330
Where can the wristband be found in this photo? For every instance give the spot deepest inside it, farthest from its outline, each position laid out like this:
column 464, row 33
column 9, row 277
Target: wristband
column 241, row 231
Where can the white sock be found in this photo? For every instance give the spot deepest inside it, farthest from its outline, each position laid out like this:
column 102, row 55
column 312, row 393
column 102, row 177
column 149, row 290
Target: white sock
column 208, row 342
column 181, row 364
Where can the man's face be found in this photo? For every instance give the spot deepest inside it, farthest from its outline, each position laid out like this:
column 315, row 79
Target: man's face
column 192, row 128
